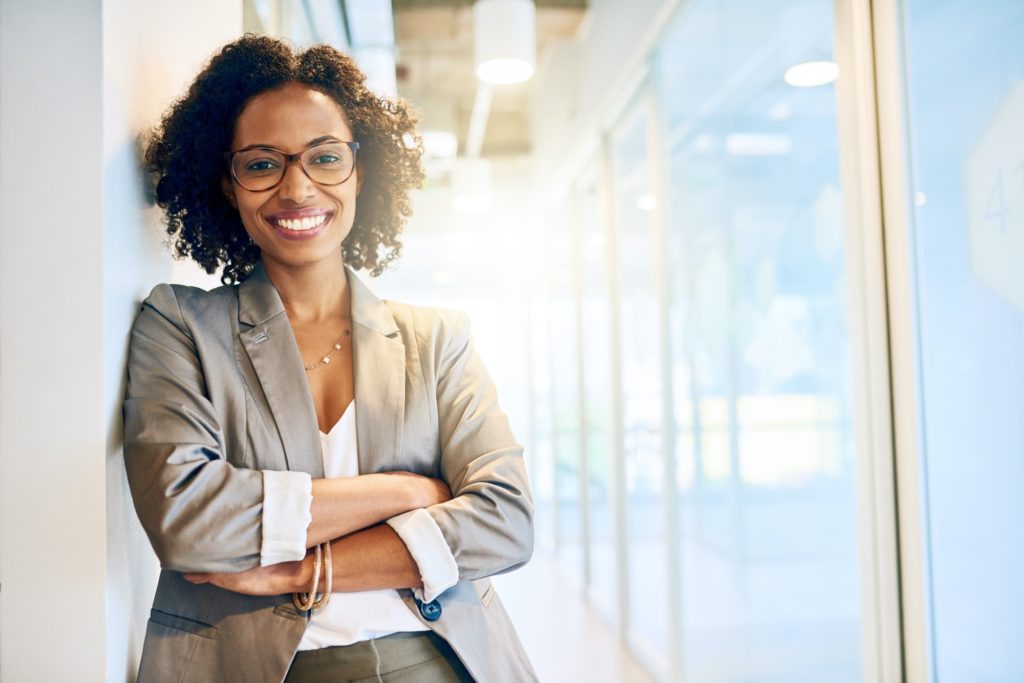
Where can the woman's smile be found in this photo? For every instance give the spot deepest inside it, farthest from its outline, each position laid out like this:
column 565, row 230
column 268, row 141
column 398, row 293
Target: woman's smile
column 300, row 224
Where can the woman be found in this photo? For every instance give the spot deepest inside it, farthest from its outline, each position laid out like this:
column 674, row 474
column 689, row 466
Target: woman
column 325, row 477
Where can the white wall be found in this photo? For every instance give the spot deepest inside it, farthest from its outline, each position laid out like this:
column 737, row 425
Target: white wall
column 151, row 51
column 79, row 248
column 52, row 425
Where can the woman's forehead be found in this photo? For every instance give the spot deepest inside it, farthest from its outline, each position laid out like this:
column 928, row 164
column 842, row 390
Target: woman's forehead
column 289, row 116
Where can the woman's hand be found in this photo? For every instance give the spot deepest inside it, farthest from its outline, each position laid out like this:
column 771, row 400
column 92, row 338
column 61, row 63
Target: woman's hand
column 274, row 579
column 436, row 491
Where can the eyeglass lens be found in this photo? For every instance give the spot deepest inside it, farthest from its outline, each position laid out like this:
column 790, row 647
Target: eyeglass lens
column 261, row 169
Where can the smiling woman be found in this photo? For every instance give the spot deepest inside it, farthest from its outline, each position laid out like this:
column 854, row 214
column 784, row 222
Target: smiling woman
column 192, row 181
column 290, row 431
column 277, row 199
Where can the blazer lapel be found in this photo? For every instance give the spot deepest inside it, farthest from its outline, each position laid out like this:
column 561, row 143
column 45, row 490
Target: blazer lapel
column 271, row 346
column 378, row 357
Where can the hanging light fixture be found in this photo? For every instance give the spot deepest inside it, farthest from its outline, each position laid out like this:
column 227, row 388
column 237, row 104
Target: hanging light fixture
column 505, row 40
column 811, row 74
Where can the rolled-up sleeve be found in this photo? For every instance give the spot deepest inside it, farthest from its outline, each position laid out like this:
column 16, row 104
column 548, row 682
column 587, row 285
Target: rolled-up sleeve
column 287, row 500
column 426, row 544
column 200, row 512
column 488, row 523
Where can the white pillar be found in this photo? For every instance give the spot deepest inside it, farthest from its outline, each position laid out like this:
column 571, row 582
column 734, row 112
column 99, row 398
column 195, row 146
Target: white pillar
column 79, row 248
column 53, row 426
column 151, row 52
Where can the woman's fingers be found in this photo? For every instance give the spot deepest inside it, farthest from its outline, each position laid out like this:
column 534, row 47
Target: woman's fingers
column 275, row 579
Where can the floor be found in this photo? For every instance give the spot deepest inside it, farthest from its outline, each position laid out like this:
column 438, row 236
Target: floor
column 566, row 640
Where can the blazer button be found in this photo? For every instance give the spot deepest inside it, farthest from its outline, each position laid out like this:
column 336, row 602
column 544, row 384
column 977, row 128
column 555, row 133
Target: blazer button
column 431, row 611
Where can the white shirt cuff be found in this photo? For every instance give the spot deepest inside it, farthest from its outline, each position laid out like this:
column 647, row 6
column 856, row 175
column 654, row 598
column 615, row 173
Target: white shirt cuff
column 433, row 557
column 287, row 499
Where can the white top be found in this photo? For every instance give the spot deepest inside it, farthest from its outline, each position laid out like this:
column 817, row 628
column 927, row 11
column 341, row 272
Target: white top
column 351, row 617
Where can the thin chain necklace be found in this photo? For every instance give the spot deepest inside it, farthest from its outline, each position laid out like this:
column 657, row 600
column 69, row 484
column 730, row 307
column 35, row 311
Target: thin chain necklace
column 326, row 359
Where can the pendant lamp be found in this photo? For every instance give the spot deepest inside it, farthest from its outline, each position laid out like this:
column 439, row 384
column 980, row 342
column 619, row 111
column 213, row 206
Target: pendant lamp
column 505, row 40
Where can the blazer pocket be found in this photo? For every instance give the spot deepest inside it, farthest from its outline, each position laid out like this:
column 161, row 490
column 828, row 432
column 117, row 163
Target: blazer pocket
column 183, row 624
column 288, row 611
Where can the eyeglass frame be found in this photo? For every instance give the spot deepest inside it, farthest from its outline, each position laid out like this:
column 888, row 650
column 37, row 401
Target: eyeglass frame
column 289, row 158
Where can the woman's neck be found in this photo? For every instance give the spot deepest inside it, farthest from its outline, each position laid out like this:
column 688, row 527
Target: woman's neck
column 314, row 293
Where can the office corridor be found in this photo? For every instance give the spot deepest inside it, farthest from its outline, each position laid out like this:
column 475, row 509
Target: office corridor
column 568, row 642
column 746, row 277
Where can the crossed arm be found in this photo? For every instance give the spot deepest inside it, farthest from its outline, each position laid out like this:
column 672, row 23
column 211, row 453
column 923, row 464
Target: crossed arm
column 369, row 559
column 203, row 515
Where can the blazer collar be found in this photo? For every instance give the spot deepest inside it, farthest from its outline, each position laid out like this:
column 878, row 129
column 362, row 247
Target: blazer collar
column 378, row 359
column 259, row 301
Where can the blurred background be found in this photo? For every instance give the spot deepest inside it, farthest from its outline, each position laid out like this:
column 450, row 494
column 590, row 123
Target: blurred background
column 747, row 276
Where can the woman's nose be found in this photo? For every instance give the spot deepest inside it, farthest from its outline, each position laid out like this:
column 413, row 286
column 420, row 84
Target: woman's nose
column 295, row 184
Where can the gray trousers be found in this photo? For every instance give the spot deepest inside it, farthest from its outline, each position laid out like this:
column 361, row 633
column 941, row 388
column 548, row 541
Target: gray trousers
column 417, row 657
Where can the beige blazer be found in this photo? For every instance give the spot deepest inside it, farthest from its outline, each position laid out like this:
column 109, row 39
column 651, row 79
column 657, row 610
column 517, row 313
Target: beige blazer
column 216, row 392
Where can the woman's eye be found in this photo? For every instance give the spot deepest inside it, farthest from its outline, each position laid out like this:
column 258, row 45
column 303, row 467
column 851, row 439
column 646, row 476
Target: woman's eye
column 260, row 166
column 326, row 159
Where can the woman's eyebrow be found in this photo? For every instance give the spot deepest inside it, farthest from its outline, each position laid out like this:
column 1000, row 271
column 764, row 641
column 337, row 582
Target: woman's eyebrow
column 322, row 138
column 314, row 141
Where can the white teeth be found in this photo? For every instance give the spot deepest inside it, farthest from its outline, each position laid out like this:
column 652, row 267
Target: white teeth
column 301, row 223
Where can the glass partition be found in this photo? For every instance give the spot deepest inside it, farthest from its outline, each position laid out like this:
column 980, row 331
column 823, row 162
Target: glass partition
column 965, row 97
column 641, row 393
column 596, row 328
column 564, row 368
column 761, row 371
column 541, row 459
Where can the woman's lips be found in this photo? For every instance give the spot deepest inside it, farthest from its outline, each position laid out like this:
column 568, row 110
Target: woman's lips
column 299, row 225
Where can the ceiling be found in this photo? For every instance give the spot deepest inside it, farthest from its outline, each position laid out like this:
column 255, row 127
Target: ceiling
column 434, row 63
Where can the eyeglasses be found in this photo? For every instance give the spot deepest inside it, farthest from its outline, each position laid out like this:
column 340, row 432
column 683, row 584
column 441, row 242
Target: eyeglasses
column 258, row 169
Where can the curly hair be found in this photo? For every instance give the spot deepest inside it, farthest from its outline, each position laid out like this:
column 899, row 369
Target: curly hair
column 185, row 154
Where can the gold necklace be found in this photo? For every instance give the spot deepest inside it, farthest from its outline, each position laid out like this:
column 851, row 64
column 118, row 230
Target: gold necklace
column 326, row 359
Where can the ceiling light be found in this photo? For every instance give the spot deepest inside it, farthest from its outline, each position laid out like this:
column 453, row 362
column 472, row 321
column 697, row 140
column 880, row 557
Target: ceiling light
column 504, row 71
column 810, row 74
column 504, row 37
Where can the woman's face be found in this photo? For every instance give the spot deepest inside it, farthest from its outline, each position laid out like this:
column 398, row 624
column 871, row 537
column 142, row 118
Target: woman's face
column 299, row 222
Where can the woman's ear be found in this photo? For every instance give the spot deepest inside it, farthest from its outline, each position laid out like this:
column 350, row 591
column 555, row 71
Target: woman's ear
column 359, row 177
column 228, row 188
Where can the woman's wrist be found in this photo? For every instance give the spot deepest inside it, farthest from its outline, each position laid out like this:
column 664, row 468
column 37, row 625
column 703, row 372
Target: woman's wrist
column 417, row 490
column 303, row 575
